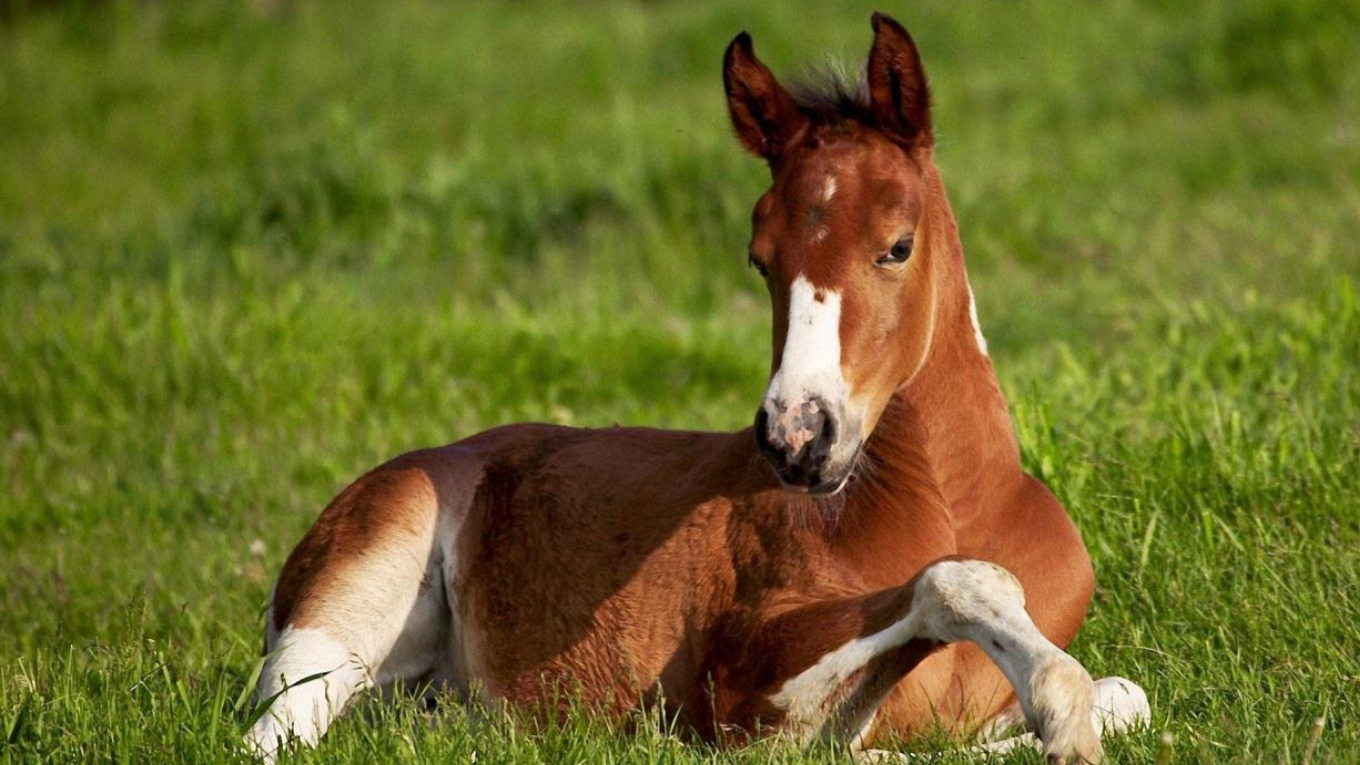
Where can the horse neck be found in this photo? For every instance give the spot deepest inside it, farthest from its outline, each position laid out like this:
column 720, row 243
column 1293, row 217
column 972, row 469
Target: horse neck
column 944, row 446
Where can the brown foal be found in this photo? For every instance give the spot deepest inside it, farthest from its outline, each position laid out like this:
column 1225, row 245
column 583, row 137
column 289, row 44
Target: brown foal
column 868, row 560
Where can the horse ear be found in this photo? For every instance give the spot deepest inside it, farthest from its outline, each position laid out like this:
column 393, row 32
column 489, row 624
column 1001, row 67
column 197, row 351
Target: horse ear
column 763, row 113
column 898, row 94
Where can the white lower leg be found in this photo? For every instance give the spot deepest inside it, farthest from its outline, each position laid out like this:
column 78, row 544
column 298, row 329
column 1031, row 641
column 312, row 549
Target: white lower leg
column 313, row 676
column 979, row 602
column 983, row 603
column 807, row 698
column 1120, row 705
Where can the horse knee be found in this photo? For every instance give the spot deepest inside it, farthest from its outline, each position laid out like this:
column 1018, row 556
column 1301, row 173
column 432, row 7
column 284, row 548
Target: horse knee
column 951, row 595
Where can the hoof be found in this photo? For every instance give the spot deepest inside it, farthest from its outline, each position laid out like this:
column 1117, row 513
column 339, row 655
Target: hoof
column 1121, row 705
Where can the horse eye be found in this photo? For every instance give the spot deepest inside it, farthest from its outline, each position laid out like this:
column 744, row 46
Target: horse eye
column 899, row 252
column 757, row 265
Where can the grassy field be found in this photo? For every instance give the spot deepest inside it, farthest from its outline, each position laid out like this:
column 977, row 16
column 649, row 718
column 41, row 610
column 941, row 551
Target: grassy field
column 244, row 256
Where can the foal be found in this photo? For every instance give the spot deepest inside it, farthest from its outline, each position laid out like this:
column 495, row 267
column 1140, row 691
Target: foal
column 869, row 560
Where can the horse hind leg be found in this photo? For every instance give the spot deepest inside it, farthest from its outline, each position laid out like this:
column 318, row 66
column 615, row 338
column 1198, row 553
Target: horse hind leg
column 360, row 603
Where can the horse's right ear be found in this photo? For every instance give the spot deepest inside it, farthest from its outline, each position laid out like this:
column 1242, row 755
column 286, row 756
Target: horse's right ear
column 764, row 114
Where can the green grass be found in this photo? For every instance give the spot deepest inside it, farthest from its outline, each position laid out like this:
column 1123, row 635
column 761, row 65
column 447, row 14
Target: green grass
column 245, row 256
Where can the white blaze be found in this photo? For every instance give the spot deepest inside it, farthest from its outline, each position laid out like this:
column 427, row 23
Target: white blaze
column 811, row 364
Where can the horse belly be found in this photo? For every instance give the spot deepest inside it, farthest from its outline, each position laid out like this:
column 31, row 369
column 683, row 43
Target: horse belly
column 588, row 571
column 553, row 648
column 577, row 616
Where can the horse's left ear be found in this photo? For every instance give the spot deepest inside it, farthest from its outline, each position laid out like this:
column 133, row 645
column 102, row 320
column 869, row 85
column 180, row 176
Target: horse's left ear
column 898, row 94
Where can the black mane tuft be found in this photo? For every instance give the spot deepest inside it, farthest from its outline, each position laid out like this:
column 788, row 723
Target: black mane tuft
column 830, row 94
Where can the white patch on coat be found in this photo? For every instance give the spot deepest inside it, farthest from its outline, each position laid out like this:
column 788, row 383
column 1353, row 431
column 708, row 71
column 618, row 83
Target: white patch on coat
column 811, row 363
column 828, row 188
column 810, row 369
column 977, row 328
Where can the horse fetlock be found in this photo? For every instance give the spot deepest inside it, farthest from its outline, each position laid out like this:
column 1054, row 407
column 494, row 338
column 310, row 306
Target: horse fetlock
column 1060, row 708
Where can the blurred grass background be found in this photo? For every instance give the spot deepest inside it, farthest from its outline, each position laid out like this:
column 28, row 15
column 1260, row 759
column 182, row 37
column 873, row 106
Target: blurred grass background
column 248, row 251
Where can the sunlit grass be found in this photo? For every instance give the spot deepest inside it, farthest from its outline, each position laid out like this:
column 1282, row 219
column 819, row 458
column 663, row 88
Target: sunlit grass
column 245, row 256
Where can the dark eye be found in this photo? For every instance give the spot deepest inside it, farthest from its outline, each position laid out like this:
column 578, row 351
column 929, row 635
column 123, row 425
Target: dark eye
column 898, row 254
column 757, row 265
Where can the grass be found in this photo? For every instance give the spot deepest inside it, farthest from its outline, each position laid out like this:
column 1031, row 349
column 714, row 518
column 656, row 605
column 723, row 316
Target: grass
column 245, row 255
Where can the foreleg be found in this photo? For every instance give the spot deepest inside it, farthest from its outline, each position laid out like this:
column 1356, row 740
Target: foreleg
column 836, row 694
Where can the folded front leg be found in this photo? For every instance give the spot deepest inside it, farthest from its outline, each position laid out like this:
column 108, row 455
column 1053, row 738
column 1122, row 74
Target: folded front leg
column 1120, row 706
column 826, row 668
column 983, row 603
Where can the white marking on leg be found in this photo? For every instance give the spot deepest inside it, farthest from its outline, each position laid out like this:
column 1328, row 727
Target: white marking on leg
column 866, row 729
column 983, row 603
column 803, row 698
column 977, row 328
column 313, row 676
column 384, row 619
column 1119, row 705
column 387, row 625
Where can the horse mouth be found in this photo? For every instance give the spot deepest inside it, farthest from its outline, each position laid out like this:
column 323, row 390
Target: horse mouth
column 826, row 488
column 819, row 485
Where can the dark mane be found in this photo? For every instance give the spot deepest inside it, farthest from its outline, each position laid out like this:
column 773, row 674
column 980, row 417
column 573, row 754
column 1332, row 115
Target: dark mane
column 831, row 94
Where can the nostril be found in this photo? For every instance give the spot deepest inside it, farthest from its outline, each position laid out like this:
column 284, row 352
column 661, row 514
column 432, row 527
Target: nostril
column 761, row 429
column 825, row 439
